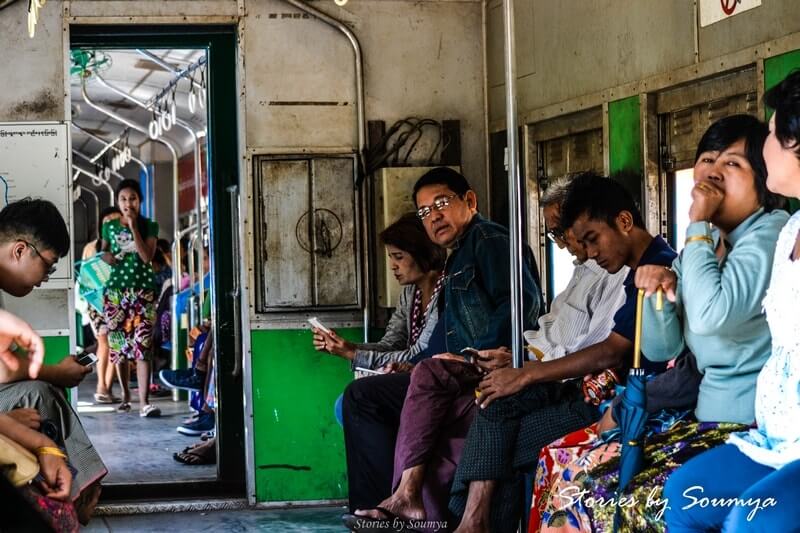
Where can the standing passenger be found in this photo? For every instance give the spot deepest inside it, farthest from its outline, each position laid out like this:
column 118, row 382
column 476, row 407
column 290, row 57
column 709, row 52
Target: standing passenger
column 130, row 243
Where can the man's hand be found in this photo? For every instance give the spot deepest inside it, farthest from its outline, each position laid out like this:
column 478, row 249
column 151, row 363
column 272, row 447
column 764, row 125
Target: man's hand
column 16, row 332
column 501, row 383
column 57, row 477
column 333, row 343
column 26, row 416
column 397, row 368
column 706, row 199
column 451, row 357
column 493, row 359
column 651, row 278
column 68, row 373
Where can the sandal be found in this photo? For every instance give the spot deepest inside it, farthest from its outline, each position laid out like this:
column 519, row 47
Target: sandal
column 124, row 407
column 100, row 397
column 150, row 411
column 195, row 457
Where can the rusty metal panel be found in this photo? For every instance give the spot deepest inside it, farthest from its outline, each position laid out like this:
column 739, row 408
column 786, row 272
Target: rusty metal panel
column 686, row 126
column 333, row 232
column 579, row 152
column 286, row 269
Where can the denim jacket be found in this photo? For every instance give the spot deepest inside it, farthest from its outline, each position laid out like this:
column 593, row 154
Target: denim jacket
column 477, row 289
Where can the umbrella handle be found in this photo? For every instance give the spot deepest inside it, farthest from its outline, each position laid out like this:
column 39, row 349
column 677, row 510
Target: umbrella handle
column 659, row 300
column 637, row 343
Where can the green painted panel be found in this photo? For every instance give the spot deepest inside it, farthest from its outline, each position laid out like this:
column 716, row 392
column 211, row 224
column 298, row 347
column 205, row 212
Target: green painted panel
column 299, row 446
column 775, row 70
column 625, row 141
column 55, row 349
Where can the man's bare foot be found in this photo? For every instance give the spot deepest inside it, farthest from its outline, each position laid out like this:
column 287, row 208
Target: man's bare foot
column 404, row 506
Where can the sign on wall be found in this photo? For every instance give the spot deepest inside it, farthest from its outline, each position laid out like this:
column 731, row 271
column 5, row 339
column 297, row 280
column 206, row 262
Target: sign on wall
column 712, row 11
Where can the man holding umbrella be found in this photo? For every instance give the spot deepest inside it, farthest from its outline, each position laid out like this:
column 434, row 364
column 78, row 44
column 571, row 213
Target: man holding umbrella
column 527, row 408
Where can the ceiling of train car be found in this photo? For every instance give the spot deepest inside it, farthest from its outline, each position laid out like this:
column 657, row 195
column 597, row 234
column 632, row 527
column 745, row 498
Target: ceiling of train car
column 142, row 77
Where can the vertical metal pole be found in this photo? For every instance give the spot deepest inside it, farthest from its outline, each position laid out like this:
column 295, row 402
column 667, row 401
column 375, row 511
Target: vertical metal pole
column 514, row 185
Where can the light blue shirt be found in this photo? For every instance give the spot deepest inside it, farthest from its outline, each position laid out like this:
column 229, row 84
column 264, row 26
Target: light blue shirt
column 718, row 314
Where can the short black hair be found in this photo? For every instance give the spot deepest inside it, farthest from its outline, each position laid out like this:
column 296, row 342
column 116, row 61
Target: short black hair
column 728, row 130
column 600, row 198
column 442, row 176
column 35, row 221
column 110, row 210
column 784, row 98
column 408, row 234
column 164, row 245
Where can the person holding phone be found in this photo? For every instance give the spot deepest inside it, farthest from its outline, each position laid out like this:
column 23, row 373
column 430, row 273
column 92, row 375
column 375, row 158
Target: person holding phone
column 417, row 265
column 129, row 304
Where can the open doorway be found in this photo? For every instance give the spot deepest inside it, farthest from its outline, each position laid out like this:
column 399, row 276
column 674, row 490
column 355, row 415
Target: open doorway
column 143, row 109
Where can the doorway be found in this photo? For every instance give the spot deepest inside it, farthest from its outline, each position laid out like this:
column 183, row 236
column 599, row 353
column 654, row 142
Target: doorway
column 166, row 96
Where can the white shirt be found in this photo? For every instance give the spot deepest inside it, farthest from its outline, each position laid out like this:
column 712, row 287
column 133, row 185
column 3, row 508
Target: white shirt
column 582, row 314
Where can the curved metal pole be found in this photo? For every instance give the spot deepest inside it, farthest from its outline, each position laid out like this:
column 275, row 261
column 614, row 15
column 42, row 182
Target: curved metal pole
column 361, row 123
column 514, row 185
column 176, row 257
column 96, row 205
column 89, row 159
column 111, row 144
column 359, row 66
column 96, row 178
column 198, row 191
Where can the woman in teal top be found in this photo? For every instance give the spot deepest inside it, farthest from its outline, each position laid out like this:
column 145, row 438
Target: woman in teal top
column 716, row 286
column 129, row 306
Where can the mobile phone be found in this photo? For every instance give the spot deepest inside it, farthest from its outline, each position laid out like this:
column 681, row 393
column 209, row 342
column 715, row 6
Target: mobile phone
column 314, row 321
column 87, row 359
column 473, row 355
column 367, row 370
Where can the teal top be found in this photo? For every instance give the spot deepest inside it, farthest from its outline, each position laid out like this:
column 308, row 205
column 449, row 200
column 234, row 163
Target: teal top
column 130, row 272
column 718, row 314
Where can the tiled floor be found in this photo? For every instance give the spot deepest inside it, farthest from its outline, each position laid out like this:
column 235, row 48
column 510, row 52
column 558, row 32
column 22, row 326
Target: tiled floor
column 139, row 449
column 318, row 519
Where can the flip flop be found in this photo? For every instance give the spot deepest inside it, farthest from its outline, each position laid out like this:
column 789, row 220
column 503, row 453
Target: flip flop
column 149, row 411
column 99, row 397
column 365, row 524
column 124, row 407
column 193, row 458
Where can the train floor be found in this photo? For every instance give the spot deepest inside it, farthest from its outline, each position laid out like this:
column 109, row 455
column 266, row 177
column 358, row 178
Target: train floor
column 317, row 519
column 135, row 449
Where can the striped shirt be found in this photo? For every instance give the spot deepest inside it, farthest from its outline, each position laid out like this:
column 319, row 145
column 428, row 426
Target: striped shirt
column 582, row 314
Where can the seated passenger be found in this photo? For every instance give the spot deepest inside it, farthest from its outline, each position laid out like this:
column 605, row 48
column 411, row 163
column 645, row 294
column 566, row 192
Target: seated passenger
column 417, row 264
column 524, row 409
column 580, row 316
column 33, row 236
column 714, row 298
column 761, row 464
column 476, row 298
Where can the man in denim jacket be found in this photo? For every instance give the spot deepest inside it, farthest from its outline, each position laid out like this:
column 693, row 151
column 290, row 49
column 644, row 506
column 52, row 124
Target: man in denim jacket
column 477, row 314
column 477, row 288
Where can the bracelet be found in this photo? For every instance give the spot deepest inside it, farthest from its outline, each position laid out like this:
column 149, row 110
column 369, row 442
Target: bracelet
column 698, row 238
column 49, row 450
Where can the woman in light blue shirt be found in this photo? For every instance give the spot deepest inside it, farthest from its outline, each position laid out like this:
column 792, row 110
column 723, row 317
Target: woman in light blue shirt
column 716, row 286
column 755, row 475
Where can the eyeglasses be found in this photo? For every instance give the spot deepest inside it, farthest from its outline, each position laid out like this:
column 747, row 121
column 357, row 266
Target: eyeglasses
column 440, row 203
column 51, row 267
column 555, row 235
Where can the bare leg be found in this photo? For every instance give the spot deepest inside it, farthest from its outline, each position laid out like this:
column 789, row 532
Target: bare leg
column 103, row 383
column 123, row 373
column 111, row 372
column 143, row 375
column 406, row 501
column 479, row 504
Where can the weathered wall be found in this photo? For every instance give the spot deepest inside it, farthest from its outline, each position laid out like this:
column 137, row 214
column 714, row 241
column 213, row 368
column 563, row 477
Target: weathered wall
column 572, row 48
column 32, row 69
column 421, row 59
